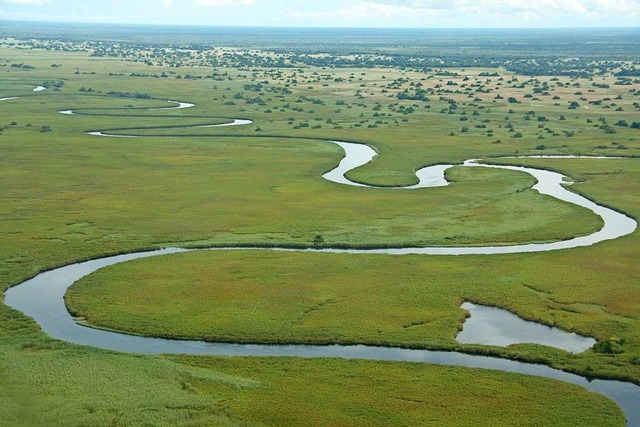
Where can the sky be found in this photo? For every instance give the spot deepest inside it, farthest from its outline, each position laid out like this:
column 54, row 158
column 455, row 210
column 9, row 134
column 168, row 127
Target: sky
column 334, row 13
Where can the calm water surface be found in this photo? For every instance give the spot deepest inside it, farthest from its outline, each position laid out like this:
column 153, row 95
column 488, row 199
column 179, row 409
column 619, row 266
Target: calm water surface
column 43, row 296
column 494, row 326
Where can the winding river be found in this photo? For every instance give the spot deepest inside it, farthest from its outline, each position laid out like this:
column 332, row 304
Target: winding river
column 42, row 297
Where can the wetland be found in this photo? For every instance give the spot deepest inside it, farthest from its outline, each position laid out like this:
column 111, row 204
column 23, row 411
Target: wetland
column 303, row 282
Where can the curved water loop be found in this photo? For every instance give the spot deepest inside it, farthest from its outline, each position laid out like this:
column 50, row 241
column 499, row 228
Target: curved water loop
column 495, row 326
column 42, row 297
column 180, row 106
column 36, row 89
column 549, row 183
column 357, row 155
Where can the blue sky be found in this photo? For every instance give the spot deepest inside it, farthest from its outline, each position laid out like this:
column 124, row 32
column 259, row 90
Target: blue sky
column 333, row 13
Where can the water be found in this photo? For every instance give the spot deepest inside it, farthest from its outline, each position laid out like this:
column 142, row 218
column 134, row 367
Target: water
column 110, row 135
column 550, row 183
column 236, row 122
column 179, row 106
column 494, row 326
column 42, row 298
column 357, row 155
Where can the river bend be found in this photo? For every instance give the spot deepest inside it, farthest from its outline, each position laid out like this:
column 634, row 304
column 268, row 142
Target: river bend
column 42, row 297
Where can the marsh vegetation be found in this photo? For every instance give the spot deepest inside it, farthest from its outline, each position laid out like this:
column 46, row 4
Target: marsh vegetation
column 70, row 196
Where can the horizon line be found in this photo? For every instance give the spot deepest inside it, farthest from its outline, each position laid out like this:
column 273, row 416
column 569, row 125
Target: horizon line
column 318, row 27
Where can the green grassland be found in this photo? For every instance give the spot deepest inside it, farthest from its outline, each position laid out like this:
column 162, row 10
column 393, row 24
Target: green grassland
column 68, row 196
column 413, row 300
column 50, row 383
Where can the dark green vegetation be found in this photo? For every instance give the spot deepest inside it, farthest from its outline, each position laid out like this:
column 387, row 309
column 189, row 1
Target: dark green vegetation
column 575, row 52
column 51, row 383
column 68, row 196
column 408, row 301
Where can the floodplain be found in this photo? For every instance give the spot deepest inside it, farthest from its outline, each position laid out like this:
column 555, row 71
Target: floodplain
column 70, row 196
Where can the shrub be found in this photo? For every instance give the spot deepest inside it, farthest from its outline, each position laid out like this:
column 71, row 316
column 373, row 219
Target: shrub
column 610, row 346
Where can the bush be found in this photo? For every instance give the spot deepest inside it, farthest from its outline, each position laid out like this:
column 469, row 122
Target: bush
column 318, row 241
column 610, row 346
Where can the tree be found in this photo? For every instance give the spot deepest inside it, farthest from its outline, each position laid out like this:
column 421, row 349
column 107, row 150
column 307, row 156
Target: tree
column 318, row 241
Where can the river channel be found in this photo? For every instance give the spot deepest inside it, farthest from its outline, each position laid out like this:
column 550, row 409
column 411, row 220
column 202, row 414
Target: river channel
column 42, row 297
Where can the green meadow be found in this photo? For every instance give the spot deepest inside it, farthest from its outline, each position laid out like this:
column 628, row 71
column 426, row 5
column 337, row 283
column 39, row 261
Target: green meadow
column 68, row 196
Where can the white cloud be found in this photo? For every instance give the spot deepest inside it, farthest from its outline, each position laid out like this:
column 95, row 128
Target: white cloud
column 32, row 2
column 547, row 9
column 167, row 3
column 582, row 7
column 501, row 11
column 368, row 11
column 224, row 3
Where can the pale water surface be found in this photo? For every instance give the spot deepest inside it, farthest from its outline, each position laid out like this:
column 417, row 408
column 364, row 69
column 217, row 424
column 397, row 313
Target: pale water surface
column 42, row 297
column 494, row 326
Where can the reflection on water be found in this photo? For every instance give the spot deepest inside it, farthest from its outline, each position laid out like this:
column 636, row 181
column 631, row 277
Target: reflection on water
column 236, row 122
column 42, row 298
column 494, row 326
column 179, row 106
column 550, row 183
column 357, row 155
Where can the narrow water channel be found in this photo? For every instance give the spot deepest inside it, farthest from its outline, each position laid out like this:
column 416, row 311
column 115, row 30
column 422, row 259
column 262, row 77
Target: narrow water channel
column 42, row 297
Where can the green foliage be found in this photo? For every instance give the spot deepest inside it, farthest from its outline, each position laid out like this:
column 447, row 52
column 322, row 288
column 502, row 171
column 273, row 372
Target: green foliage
column 610, row 346
column 68, row 196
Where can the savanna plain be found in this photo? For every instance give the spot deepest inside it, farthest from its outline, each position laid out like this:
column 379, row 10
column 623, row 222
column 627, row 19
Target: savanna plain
column 69, row 196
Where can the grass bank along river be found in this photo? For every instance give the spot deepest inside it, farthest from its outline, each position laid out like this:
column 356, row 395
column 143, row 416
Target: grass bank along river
column 43, row 299
column 549, row 183
column 70, row 197
column 46, row 303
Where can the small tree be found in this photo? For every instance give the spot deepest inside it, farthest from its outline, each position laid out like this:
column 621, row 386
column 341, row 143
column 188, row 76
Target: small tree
column 318, row 241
